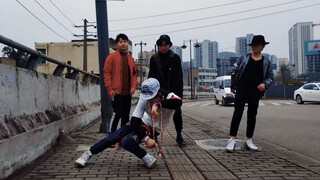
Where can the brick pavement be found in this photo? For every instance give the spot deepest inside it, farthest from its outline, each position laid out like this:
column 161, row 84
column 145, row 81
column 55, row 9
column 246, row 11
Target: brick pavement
column 191, row 162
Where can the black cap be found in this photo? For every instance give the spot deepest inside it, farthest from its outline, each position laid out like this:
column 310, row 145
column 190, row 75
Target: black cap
column 164, row 38
column 258, row 39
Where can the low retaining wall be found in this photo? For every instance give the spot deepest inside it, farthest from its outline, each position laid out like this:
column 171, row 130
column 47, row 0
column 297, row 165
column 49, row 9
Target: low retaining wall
column 34, row 107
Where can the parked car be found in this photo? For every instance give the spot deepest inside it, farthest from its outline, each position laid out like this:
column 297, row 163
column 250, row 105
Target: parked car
column 222, row 90
column 308, row 93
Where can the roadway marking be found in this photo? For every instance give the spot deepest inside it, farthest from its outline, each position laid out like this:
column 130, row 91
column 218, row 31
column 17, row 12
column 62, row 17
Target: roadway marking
column 289, row 103
column 192, row 104
column 261, row 104
column 276, row 104
column 207, row 104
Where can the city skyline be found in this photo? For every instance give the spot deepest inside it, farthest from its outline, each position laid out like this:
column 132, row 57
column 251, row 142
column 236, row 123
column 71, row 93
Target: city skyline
column 250, row 17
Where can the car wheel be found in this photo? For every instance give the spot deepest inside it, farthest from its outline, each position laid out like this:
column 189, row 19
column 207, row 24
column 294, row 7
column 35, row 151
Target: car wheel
column 224, row 102
column 216, row 100
column 299, row 99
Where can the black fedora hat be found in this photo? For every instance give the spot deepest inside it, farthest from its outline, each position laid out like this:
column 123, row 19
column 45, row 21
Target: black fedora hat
column 164, row 38
column 258, row 39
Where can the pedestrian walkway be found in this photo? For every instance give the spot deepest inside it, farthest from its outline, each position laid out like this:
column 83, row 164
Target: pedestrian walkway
column 191, row 162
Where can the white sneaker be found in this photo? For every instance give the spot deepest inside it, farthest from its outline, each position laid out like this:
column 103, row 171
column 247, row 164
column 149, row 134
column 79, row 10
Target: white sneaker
column 81, row 161
column 149, row 161
column 249, row 144
column 231, row 145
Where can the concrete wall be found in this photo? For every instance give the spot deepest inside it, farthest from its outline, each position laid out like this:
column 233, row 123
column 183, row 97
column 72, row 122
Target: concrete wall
column 34, row 107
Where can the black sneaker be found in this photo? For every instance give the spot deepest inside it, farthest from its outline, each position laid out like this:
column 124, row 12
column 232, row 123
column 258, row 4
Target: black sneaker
column 180, row 141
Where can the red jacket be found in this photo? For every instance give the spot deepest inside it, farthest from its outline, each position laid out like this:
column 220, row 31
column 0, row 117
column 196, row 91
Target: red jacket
column 112, row 72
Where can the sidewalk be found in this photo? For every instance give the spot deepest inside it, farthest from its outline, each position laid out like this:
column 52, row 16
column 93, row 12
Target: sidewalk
column 191, row 162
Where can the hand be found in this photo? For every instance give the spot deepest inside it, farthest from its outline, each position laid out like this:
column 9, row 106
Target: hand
column 111, row 95
column 132, row 91
column 233, row 91
column 262, row 87
column 154, row 111
column 151, row 143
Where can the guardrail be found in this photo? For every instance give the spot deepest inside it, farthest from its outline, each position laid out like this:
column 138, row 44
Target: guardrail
column 35, row 57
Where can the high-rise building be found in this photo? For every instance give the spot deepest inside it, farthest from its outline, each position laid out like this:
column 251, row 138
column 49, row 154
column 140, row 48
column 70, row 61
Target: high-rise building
column 298, row 35
column 242, row 44
column 207, row 54
column 197, row 61
column 312, row 53
column 249, row 38
column 177, row 50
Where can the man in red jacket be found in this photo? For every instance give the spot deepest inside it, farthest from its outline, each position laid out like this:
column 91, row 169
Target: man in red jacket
column 120, row 79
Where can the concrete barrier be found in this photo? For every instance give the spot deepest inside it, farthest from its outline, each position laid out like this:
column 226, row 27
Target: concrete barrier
column 34, row 107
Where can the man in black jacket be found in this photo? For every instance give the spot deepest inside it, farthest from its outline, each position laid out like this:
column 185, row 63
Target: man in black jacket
column 166, row 67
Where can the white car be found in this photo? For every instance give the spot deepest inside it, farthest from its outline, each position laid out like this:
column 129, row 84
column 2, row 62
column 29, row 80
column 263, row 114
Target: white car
column 307, row 93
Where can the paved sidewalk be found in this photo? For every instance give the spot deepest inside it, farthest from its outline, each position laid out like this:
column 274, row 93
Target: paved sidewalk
column 191, row 162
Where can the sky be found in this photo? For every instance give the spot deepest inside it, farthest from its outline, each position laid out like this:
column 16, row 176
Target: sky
column 216, row 20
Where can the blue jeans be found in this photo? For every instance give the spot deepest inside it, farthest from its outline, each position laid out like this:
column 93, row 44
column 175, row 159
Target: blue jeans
column 126, row 138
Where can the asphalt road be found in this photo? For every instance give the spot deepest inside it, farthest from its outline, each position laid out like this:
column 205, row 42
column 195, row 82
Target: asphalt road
column 283, row 123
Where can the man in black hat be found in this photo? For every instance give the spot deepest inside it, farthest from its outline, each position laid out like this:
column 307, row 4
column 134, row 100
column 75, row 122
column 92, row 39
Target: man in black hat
column 165, row 66
column 251, row 75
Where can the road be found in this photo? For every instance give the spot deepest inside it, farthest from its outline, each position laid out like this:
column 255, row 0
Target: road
column 282, row 123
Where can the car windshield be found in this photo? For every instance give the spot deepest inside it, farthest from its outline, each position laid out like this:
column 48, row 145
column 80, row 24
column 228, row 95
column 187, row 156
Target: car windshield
column 227, row 83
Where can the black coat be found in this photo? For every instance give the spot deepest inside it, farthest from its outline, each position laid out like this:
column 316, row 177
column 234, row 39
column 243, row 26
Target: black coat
column 172, row 72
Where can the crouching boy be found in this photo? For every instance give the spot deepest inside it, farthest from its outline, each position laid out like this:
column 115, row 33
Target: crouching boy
column 140, row 128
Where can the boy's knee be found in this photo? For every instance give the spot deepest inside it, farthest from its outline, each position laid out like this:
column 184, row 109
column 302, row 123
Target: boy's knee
column 127, row 142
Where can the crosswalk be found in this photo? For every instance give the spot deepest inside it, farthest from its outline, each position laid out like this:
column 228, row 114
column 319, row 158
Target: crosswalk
column 261, row 103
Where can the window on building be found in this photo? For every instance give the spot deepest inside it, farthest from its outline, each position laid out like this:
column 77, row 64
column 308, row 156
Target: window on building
column 42, row 51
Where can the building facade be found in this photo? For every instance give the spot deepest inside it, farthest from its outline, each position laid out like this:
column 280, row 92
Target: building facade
column 207, row 54
column 298, row 34
column 242, row 44
column 72, row 53
column 312, row 55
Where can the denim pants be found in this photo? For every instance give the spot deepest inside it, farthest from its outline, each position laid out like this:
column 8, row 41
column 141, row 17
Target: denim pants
column 125, row 137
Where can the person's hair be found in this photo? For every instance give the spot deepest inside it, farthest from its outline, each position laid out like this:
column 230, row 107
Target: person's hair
column 122, row 36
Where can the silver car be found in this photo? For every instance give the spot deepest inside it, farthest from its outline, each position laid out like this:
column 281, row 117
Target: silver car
column 308, row 93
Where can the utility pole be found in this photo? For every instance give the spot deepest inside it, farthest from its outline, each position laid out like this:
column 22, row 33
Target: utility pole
column 85, row 42
column 141, row 43
column 103, row 42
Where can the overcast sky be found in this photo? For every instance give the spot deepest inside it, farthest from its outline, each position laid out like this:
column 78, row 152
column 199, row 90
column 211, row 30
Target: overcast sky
column 19, row 25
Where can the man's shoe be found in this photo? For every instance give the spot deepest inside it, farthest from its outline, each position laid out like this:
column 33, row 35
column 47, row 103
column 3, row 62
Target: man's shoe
column 249, row 145
column 81, row 161
column 180, row 141
column 149, row 161
column 231, row 145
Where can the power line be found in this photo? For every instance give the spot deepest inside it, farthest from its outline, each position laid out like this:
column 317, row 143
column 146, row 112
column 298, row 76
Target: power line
column 42, row 21
column 204, row 18
column 53, row 17
column 228, row 22
column 62, row 12
column 179, row 12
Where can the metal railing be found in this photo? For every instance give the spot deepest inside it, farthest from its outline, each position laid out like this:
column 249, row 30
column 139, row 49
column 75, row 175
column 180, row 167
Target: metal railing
column 35, row 57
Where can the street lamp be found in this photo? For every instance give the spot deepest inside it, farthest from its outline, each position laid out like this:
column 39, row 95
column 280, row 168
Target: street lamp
column 184, row 46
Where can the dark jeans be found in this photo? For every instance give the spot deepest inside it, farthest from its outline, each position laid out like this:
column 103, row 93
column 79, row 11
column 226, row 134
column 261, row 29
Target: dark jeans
column 127, row 139
column 250, row 95
column 177, row 119
column 121, row 107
